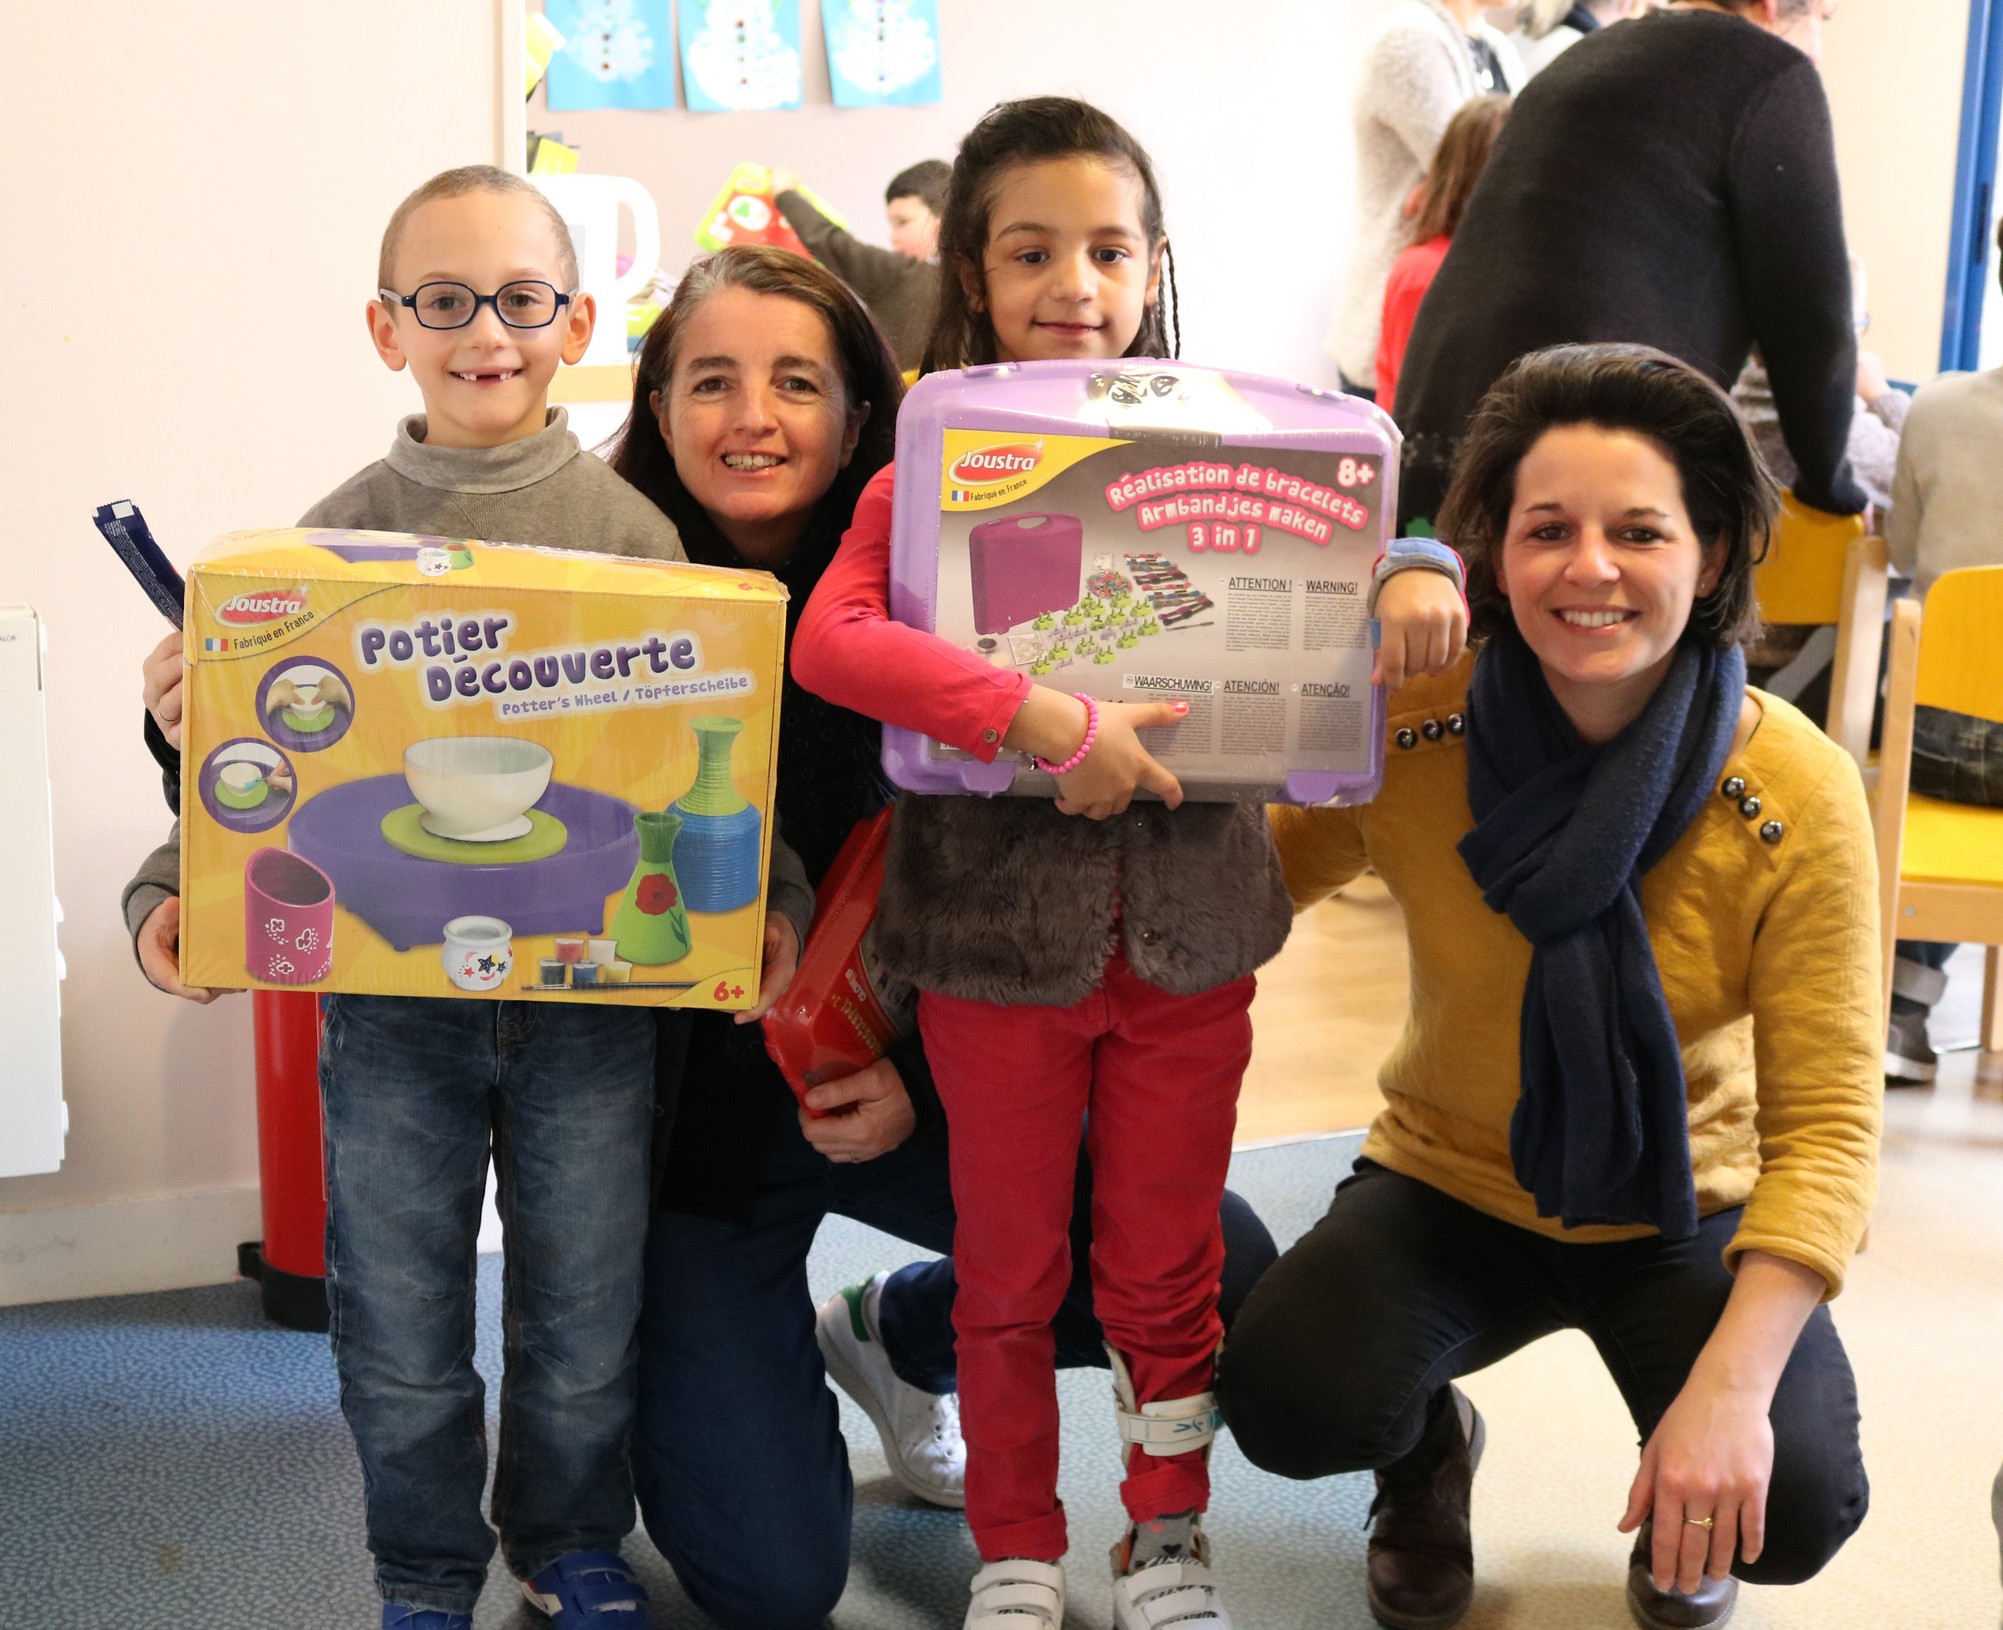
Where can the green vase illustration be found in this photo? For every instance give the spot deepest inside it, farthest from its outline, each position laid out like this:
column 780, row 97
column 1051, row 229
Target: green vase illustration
column 651, row 924
column 721, row 845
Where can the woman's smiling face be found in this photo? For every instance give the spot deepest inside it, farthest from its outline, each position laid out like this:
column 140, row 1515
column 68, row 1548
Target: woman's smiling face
column 757, row 416
column 1601, row 566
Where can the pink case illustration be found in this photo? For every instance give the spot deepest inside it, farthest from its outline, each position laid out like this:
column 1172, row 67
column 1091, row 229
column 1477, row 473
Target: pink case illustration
column 1076, row 583
column 1024, row 566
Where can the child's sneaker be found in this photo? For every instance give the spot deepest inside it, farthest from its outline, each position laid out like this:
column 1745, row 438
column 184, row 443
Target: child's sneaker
column 1017, row 1594
column 401, row 1616
column 1161, row 1576
column 582, row 1588
column 920, row 1430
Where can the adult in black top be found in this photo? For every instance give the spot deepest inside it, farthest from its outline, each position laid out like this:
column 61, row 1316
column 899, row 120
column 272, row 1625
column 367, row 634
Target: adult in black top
column 739, row 1465
column 1670, row 182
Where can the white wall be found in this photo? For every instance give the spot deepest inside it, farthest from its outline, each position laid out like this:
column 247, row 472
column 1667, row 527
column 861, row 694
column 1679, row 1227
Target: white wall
column 192, row 208
column 1244, row 109
column 1893, row 68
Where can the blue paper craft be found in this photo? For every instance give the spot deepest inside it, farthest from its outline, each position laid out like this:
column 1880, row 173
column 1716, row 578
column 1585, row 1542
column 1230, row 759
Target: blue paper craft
column 883, row 53
column 741, row 54
column 615, row 54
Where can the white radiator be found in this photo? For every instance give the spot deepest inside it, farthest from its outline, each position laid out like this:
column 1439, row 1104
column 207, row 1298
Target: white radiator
column 33, row 1119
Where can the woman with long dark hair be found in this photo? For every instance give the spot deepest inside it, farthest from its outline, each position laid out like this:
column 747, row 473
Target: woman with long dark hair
column 764, row 400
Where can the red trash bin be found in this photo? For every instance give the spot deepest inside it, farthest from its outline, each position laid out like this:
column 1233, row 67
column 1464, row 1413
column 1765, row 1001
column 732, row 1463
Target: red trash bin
column 290, row 1262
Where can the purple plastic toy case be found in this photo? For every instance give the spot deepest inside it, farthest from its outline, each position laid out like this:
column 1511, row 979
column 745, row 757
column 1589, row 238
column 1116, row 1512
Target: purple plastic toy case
column 1144, row 530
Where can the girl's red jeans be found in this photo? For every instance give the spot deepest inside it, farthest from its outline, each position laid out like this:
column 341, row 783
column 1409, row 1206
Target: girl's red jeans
column 1150, row 1081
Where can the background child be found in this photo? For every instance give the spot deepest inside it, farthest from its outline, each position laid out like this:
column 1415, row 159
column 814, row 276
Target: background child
column 1457, row 166
column 1002, row 912
column 478, row 301
column 897, row 284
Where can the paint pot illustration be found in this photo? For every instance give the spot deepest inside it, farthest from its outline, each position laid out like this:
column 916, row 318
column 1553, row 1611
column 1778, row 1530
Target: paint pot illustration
column 478, row 952
column 720, row 842
column 652, row 924
column 288, row 919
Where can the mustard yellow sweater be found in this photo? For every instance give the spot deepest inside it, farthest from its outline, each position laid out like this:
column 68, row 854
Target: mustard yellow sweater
column 1768, row 950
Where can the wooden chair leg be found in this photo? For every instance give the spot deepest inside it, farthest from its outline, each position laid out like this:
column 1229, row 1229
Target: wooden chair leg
column 1992, row 1001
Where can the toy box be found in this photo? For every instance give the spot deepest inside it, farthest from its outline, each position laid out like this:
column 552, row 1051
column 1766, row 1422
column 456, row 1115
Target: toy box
column 746, row 211
column 842, row 1011
column 432, row 767
column 1146, row 530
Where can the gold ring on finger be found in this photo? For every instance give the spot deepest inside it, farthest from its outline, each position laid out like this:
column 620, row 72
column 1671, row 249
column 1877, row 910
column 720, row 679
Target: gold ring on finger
column 1700, row 1522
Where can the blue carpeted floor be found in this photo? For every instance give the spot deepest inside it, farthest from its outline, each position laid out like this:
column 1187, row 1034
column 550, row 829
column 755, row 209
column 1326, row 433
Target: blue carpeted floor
column 173, row 1462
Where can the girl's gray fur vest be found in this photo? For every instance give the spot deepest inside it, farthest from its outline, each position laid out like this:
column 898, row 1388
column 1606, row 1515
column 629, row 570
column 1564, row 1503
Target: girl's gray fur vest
column 1004, row 900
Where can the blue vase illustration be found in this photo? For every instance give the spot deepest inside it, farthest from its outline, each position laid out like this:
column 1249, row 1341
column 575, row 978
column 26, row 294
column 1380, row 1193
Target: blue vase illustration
column 718, row 853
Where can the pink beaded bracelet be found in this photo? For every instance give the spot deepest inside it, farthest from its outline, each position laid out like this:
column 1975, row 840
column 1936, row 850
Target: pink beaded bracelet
column 1084, row 747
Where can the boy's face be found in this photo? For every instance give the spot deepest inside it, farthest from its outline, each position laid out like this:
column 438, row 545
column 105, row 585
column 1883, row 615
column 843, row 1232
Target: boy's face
column 485, row 384
column 914, row 229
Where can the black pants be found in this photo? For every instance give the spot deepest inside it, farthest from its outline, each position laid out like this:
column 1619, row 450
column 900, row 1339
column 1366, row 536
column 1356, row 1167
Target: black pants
column 1399, row 1289
column 738, row 1457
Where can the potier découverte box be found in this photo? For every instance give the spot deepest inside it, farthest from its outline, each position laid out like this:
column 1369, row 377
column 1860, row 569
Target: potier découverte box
column 1143, row 531
column 435, row 767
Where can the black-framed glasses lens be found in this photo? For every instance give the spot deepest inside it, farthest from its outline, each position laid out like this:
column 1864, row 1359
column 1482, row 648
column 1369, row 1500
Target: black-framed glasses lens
column 454, row 305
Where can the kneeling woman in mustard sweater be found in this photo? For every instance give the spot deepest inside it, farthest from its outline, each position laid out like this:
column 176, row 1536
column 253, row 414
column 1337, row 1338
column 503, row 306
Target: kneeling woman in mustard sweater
column 1639, row 1091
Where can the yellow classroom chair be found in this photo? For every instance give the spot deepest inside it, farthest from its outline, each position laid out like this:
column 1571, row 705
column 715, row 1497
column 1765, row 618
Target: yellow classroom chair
column 1940, row 865
column 1829, row 570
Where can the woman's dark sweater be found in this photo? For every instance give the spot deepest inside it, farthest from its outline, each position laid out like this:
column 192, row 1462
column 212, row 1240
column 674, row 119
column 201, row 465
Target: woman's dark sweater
column 1669, row 181
column 727, row 1094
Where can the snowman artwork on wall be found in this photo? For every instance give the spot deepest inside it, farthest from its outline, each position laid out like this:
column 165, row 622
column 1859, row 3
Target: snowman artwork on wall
column 615, row 54
column 739, row 55
column 883, row 53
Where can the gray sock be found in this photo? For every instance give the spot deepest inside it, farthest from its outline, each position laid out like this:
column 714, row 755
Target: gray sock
column 1165, row 1539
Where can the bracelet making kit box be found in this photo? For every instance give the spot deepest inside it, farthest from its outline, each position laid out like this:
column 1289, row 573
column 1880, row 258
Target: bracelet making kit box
column 433, row 767
column 1143, row 531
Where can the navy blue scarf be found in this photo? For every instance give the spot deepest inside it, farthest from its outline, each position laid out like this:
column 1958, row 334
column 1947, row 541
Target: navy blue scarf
column 1563, row 835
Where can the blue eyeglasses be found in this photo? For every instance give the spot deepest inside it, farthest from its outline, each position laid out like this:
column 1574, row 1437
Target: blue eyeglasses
column 528, row 304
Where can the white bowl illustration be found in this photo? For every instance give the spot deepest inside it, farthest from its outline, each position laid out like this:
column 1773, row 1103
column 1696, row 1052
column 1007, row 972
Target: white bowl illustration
column 241, row 784
column 477, row 789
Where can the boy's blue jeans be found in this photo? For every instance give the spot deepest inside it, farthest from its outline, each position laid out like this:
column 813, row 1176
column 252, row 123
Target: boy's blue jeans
column 416, row 1091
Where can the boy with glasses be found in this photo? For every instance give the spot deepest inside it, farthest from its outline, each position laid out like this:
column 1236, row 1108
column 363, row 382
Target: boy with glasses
column 478, row 300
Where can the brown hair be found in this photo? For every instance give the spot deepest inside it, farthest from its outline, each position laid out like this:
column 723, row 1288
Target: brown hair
column 926, row 181
column 869, row 378
column 1457, row 166
column 456, row 184
column 1726, row 485
column 1012, row 134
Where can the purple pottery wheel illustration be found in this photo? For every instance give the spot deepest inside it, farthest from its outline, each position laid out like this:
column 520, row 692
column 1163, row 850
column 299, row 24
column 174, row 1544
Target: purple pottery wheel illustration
column 409, row 901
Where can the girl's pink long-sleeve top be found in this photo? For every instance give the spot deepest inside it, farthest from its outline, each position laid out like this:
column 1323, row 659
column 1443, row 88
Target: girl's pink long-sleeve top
column 847, row 649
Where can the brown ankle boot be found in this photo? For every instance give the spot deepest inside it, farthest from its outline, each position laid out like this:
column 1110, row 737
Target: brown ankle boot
column 1705, row 1608
column 1421, row 1553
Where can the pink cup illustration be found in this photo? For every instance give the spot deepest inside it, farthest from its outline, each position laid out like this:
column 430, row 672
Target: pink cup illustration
column 288, row 919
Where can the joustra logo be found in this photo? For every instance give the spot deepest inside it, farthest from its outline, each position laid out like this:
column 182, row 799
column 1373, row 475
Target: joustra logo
column 264, row 606
column 986, row 465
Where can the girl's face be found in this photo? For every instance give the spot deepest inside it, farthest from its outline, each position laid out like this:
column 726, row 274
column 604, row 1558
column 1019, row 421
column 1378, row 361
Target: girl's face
column 1068, row 271
column 757, row 417
column 1601, row 566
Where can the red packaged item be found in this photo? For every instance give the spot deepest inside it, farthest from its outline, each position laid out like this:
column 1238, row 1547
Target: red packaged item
column 841, row 1012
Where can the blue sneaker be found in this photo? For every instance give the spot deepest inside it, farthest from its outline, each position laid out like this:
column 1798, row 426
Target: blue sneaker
column 402, row 1616
column 583, row 1588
